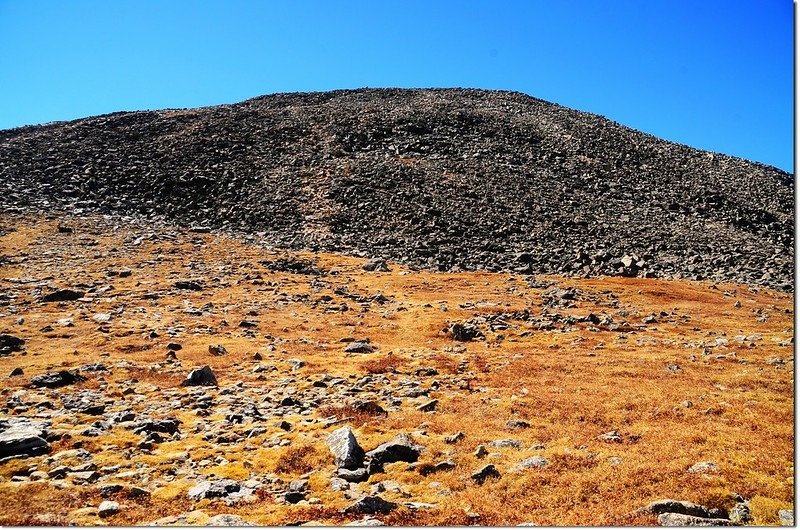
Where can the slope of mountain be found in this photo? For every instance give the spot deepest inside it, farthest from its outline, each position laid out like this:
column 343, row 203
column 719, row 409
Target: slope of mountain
column 446, row 179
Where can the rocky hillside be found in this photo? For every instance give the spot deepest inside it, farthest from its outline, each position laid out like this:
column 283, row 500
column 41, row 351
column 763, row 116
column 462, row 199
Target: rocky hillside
column 445, row 179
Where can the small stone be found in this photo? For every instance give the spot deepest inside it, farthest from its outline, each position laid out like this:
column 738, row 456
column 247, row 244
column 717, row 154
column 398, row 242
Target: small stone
column 740, row 514
column 16, row 372
column 428, row 406
column 106, row 490
column 371, row 505
column 487, row 471
column 226, row 519
column 108, row 508
column 786, row 517
column 517, row 424
column 703, row 467
column 366, row 521
column 217, row 349
column 353, row 475
column 359, row 347
column 56, row 379
column 611, row 437
column 188, row 285
column 503, row 443
column 678, row 519
column 480, row 451
column 213, row 489
column 664, row 506
column 454, row 438
column 534, row 462
column 375, row 265
column 84, row 477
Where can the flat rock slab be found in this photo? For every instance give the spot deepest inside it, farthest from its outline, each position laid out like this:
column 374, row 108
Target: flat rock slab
column 215, row 489
column 399, row 449
column 683, row 508
column 23, row 439
column 371, row 505
column 679, row 519
column 56, row 379
column 63, row 295
column 534, row 462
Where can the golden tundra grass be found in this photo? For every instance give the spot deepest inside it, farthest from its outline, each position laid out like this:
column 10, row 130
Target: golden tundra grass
column 728, row 406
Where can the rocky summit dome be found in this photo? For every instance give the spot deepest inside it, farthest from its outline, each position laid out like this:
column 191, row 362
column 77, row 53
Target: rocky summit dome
column 442, row 178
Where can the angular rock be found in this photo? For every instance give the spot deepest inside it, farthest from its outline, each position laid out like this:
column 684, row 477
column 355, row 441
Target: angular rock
column 63, row 295
column 346, row 451
column 215, row 489
column 740, row 514
column 428, row 406
column 108, row 508
column 167, row 425
column 359, row 347
column 371, row 505
column 188, row 285
column 786, row 517
column 679, row 519
column 201, row 377
column 353, row 475
column 487, row 471
column 703, row 467
column 684, row 508
column 366, row 521
column 375, row 265
column 23, row 438
column 610, row 437
column 56, row 379
column 534, row 462
column 10, row 344
column 226, row 519
column 465, row 332
column 217, row 349
column 399, row 449
column 454, row 438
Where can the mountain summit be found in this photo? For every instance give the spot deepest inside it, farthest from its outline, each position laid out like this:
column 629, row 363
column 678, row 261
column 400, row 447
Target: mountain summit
column 442, row 178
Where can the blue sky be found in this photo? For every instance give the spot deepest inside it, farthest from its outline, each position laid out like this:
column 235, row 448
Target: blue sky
column 714, row 74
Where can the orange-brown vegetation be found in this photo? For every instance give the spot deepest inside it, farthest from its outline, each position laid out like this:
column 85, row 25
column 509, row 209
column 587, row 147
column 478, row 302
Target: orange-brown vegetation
column 698, row 382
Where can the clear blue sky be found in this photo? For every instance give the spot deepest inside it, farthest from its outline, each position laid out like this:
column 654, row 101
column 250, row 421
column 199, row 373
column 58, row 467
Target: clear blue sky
column 714, row 74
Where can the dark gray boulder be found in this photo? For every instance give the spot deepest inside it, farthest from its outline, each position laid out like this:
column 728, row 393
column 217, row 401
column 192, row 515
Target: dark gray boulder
column 201, row 377
column 486, row 472
column 684, row 508
column 399, row 449
column 63, row 295
column 371, row 505
column 10, row 344
column 56, row 379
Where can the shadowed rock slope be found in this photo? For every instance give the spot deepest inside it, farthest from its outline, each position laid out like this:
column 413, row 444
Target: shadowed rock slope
column 440, row 178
